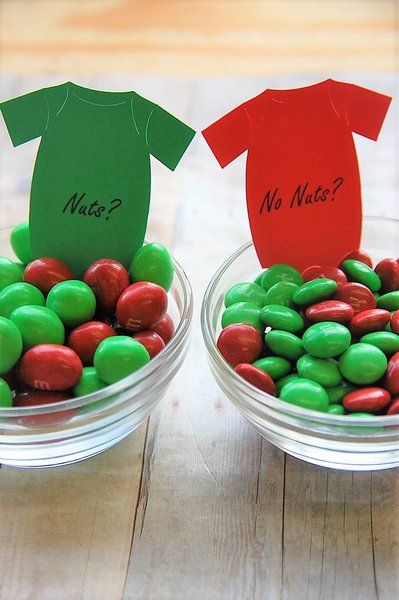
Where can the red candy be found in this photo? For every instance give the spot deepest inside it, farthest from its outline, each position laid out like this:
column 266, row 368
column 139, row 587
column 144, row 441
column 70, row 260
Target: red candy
column 395, row 322
column 388, row 271
column 151, row 341
column 141, row 306
column 38, row 398
column 369, row 399
column 357, row 295
column 165, row 328
column 239, row 343
column 330, row 310
column 368, row 321
column 256, row 377
column 391, row 380
column 108, row 279
column 45, row 272
column 393, row 408
column 50, row 367
column 85, row 339
column 361, row 256
column 330, row 272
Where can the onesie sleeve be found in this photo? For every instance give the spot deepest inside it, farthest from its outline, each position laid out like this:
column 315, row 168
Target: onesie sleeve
column 230, row 135
column 167, row 137
column 365, row 110
column 26, row 117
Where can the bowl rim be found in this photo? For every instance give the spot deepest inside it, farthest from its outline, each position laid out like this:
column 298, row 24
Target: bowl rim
column 139, row 378
column 263, row 398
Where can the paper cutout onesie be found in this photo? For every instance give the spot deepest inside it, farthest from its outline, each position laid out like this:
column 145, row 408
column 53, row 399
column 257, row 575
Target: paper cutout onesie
column 91, row 184
column 302, row 177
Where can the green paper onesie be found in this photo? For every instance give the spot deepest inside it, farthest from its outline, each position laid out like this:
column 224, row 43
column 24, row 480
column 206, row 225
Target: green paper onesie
column 90, row 189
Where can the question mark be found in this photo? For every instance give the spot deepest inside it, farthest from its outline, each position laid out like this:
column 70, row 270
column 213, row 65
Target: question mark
column 119, row 202
column 338, row 185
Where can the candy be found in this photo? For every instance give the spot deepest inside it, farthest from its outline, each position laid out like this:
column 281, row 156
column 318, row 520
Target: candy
column 359, row 272
column 280, row 272
column 119, row 356
column 108, row 279
column 363, row 363
column 282, row 317
column 245, row 292
column 88, row 383
column 368, row 321
column 393, row 408
column 388, row 272
column 389, row 301
column 275, row 366
column 318, row 271
column 239, row 343
column 153, row 263
column 19, row 294
column 285, row 344
column 305, row 393
column 10, row 344
column 243, row 312
column 141, row 306
column 20, row 242
column 322, row 370
column 5, row 394
column 361, row 256
column 85, row 339
column 165, row 328
column 73, row 301
column 357, row 295
column 395, row 322
column 391, row 381
column 10, row 272
column 336, row 409
column 38, row 398
column 314, row 291
column 38, row 325
column 330, row 310
column 326, row 339
column 256, row 377
column 45, row 273
column 284, row 380
column 385, row 341
column 337, row 393
column 151, row 341
column 281, row 293
column 50, row 367
column 369, row 399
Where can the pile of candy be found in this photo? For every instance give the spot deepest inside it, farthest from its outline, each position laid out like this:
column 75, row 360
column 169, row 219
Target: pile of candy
column 326, row 339
column 61, row 337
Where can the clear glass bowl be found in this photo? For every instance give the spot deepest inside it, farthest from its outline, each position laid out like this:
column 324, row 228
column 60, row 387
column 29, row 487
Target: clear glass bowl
column 340, row 442
column 49, row 436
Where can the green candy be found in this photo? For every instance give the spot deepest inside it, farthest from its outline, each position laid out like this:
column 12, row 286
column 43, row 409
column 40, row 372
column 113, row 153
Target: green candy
column 321, row 370
column 153, row 262
column 338, row 392
column 281, row 293
column 282, row 317
column 245, row 292
column 326, row 339
column 284, row 380
column 280, row 272
column 258, row 279
column 20, row 242
column 314, row 291
column 285, row 344
column 5, row 395
column 243, row 312
column 10, row 344
column 305, row 393
column 119, row 356
column 363, row 363
column 38, row 325
column 389, row 301
column 275, row 366
column 10, row 272
column 361, row 273
column 73, row 301
column 336, row 409
column 384, row 340
column 19, row 294
column 89, row 382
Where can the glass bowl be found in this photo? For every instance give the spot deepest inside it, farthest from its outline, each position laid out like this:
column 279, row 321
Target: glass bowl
column 334, row 441
column 66, row 432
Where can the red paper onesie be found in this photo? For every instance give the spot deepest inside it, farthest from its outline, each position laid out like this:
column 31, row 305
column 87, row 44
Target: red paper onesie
column 302, row 178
